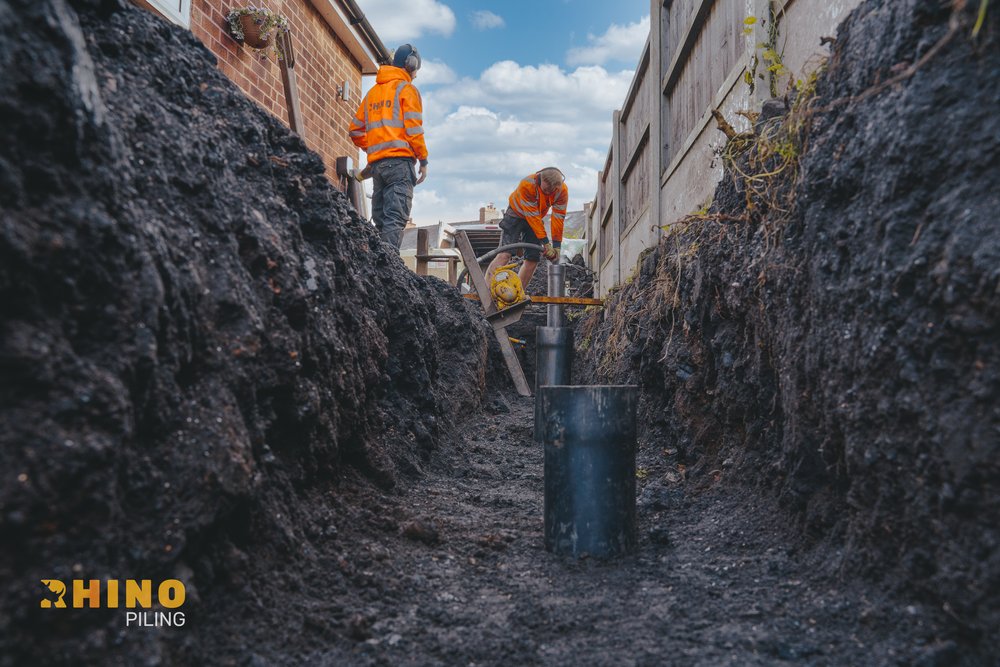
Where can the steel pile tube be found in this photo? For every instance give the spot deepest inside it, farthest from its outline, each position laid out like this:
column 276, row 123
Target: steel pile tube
column 553, row 364
column 557, row 287
column 589, row 434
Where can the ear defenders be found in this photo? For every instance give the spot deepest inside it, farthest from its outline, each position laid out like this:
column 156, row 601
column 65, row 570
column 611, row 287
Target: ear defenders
column 407, row 57
column 538, row 178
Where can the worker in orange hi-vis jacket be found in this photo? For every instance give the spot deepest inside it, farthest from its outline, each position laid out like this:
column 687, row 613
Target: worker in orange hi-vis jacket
column 522, row 221
column 389, row 127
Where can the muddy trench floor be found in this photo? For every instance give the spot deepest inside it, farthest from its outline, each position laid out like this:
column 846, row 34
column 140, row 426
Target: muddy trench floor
column 452, row 571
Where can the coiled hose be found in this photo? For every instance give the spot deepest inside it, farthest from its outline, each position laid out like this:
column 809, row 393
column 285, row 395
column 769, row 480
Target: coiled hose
column 504, row 248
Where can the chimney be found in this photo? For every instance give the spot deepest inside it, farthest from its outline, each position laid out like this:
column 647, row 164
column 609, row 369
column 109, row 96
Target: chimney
column 489, row 213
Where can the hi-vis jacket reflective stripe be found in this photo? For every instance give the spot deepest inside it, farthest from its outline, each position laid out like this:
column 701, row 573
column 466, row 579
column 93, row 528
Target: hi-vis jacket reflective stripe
column 389, row 121
column 530, row 203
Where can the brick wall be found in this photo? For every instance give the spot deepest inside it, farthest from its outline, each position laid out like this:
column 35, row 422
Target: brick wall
column 322, row 62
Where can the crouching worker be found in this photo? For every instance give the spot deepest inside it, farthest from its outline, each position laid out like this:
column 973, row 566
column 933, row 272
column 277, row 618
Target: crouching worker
column 522, row 223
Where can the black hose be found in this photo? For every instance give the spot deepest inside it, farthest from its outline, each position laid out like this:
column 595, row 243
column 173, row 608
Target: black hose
column 511, row 246
column 493, row 253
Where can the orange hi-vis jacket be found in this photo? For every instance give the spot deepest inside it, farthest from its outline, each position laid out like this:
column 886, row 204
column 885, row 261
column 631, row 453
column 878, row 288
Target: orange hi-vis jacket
column 530, row 203
column 389, row 121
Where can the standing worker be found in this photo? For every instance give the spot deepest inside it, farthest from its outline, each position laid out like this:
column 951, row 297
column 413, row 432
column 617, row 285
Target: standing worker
column 522, row 221
column 389, row 127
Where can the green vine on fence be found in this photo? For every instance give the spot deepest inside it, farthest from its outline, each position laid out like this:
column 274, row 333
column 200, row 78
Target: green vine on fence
column 766, row 52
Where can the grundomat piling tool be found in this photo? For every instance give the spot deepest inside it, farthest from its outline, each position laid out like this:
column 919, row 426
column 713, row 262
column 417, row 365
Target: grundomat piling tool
column 498, row 319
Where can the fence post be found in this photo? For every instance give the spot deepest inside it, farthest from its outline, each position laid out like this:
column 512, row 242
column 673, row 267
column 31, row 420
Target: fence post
column 616, row 214
column 657, row 13
column 421, row 256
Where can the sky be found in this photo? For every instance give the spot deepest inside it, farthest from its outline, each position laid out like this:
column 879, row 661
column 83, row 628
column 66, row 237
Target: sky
column 511, row 87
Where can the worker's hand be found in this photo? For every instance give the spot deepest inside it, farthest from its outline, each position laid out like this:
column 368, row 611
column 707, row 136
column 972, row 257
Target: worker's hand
column 550, row 253
column 423, row 174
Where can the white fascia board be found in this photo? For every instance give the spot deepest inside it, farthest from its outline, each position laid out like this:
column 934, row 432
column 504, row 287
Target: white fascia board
column 337, row 19
column 181, row 15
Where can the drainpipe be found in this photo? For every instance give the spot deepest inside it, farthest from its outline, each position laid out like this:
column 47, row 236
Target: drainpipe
column 358, row 19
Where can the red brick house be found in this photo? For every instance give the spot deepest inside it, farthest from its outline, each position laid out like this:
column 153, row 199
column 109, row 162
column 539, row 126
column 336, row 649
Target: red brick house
column 334, row 46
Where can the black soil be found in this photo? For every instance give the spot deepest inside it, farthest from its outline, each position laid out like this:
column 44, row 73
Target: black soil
column 843, row 353
column 197, row 332
column 211, row 369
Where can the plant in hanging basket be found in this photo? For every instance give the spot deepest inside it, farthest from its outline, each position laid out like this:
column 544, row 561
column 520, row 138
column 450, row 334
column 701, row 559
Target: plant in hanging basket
column 257, row 28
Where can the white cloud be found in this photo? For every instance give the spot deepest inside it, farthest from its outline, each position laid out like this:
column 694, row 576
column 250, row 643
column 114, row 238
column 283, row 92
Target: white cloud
column 426, row 198
column 402, row 21
column 435, row 72
column 618, row 43
column 485, row 20
column 539, row 92
column 484, row 134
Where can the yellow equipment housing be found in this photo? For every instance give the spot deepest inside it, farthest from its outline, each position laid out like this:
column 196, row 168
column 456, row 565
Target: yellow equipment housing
column 506, row 287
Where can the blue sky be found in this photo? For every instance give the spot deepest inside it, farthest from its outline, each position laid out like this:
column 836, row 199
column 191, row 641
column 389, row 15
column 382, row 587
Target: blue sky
column 510, row 87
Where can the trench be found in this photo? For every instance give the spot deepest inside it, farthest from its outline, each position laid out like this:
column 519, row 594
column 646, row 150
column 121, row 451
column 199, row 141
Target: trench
column 212, row 371
column 453, row 571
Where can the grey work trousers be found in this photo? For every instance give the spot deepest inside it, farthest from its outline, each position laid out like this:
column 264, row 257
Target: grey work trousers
column 392, row 197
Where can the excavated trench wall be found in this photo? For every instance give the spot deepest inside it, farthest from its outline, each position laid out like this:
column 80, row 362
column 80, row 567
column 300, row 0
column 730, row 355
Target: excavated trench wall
column 846, row 355
column 197, row 333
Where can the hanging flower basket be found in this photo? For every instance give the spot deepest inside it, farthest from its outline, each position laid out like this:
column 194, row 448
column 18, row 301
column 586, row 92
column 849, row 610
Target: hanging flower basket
column 252, row 33
column 257, row 28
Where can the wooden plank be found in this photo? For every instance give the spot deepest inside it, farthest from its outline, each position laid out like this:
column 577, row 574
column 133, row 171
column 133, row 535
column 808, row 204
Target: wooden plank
column 422, row 244
column 475, row 272
column 287, row 67
column 564, row 300
column 513, row 365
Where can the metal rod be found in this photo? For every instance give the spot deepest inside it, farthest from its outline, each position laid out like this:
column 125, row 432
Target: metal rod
column 557, row 287
column 590, row 439
column 564, row 300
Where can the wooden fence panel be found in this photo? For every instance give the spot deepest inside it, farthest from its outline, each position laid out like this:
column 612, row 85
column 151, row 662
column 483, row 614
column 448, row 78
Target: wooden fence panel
column 681, row 13
column 607, row 244
column 635, row 188
column 635, row 115
column 717, row 48
column 605, row 197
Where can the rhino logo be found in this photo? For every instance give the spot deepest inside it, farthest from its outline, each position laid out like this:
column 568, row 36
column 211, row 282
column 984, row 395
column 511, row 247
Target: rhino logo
column 56, row 588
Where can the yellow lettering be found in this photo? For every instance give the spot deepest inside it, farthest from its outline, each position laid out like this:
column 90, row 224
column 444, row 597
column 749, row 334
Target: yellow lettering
column 57, row 587
column 171, row 593
column 83, row 592
column 138, row 593
column 112, row 595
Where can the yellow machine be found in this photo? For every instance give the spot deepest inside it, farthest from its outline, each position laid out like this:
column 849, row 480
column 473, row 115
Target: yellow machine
column 506, row 287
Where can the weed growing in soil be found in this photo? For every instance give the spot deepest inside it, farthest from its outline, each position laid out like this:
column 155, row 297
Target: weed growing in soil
column 765, row 163
column 980, row 17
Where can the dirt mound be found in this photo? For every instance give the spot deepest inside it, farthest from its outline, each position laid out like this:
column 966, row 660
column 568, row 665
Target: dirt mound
column 198, row 336
column 844, row 352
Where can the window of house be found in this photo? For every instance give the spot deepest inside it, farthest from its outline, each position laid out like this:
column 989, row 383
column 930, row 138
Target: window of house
column 178, row 11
